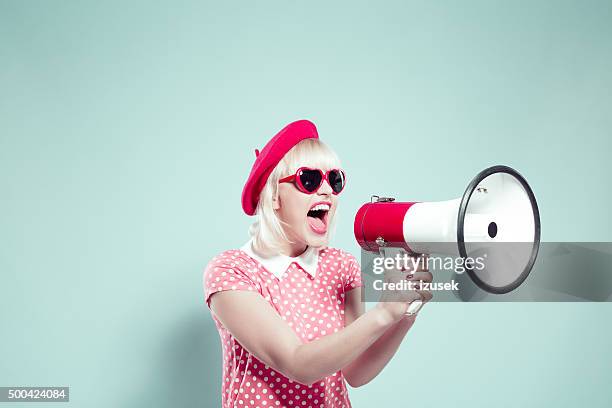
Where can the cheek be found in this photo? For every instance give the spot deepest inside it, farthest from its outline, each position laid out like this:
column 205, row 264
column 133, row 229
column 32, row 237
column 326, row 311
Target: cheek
column 335, row 205
column 296, row 209
column 294, row 216
column 293, row 206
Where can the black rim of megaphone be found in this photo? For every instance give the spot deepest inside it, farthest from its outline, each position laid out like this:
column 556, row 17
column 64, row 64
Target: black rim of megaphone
column 461, row 218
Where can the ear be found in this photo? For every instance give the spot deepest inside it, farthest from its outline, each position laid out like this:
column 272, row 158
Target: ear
column 276, row 201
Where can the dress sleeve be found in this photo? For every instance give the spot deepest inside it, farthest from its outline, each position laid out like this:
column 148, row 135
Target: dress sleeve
column 224, row 272
column 353, row 274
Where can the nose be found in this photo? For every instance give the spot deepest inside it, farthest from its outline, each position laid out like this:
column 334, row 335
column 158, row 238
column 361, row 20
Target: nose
column 325, row 189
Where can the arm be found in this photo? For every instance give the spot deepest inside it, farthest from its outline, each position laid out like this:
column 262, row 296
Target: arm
column 369, row 364
column 259, row 329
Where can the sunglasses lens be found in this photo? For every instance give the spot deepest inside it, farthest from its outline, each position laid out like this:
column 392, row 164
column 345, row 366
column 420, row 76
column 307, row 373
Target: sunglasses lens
column 336, row 180
column 310, row 179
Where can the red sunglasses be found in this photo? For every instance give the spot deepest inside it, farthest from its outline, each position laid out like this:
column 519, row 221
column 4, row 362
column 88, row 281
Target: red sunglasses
column 309, row 180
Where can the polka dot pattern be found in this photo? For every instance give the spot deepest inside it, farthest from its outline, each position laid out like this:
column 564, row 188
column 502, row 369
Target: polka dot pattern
column 312, row 306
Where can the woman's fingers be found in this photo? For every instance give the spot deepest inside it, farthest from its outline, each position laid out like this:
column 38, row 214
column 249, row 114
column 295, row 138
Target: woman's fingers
column 422, row 265
column 416, row 272
column 426, row 295
column 416, row 264
column 413, row 295
column 420, row 276
column 394, row 276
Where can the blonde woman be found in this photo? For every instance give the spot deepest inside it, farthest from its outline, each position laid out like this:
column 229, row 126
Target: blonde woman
column 288, row 307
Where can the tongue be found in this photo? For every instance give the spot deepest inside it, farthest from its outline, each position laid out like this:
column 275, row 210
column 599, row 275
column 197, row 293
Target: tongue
column 317, row 225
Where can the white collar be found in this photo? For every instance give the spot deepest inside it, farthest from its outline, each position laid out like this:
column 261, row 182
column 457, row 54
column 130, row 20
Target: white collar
column 279, row 264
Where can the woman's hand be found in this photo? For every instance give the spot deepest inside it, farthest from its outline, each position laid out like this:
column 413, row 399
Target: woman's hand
column 396, row 302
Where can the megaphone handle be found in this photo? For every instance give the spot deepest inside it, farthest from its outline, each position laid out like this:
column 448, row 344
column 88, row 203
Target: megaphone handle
column 414, row 307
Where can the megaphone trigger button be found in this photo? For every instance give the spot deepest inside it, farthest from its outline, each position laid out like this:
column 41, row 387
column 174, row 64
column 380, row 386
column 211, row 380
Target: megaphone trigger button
column 378, row 199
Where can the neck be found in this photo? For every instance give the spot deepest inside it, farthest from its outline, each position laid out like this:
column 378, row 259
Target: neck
column 293, row 249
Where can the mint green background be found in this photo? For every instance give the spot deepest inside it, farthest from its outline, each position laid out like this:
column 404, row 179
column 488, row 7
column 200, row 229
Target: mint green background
column 114, row 116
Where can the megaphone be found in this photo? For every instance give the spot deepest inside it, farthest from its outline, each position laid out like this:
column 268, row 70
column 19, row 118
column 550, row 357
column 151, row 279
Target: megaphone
column 497, row 215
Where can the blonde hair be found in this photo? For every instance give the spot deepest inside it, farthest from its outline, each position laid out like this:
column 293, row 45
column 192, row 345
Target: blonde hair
column 267, row 231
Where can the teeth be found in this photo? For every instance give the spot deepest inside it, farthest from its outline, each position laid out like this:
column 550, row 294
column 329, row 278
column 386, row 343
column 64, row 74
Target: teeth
column 320, row 207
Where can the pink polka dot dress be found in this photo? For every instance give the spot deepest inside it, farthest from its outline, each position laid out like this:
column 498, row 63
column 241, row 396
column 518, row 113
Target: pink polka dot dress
column 308, row 292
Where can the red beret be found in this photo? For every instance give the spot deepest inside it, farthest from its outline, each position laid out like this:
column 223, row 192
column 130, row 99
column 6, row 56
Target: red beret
column 270, row 156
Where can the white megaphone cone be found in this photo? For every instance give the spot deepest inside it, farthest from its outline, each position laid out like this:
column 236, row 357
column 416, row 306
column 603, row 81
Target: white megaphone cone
column 497, row 216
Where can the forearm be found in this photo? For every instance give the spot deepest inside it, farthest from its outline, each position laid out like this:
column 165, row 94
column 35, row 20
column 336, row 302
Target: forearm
column 329, row 354
column 371, row 362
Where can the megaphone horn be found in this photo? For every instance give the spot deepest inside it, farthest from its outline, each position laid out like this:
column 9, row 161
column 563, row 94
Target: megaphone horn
column 497, row 215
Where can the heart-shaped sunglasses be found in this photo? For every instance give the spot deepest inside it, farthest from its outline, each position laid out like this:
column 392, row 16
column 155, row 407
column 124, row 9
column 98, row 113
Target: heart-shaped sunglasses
column 309, row 180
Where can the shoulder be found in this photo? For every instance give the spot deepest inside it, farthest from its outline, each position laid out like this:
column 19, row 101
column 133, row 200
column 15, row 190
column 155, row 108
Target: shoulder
column 235, row 260
column 344, row 264
column 337, row 255
column 230, row 270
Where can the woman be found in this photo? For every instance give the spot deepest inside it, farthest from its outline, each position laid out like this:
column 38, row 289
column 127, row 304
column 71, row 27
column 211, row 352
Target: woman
column 287, row 307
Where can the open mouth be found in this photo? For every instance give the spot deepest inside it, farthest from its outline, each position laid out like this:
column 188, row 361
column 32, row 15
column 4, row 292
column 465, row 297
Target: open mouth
column 317, row 217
